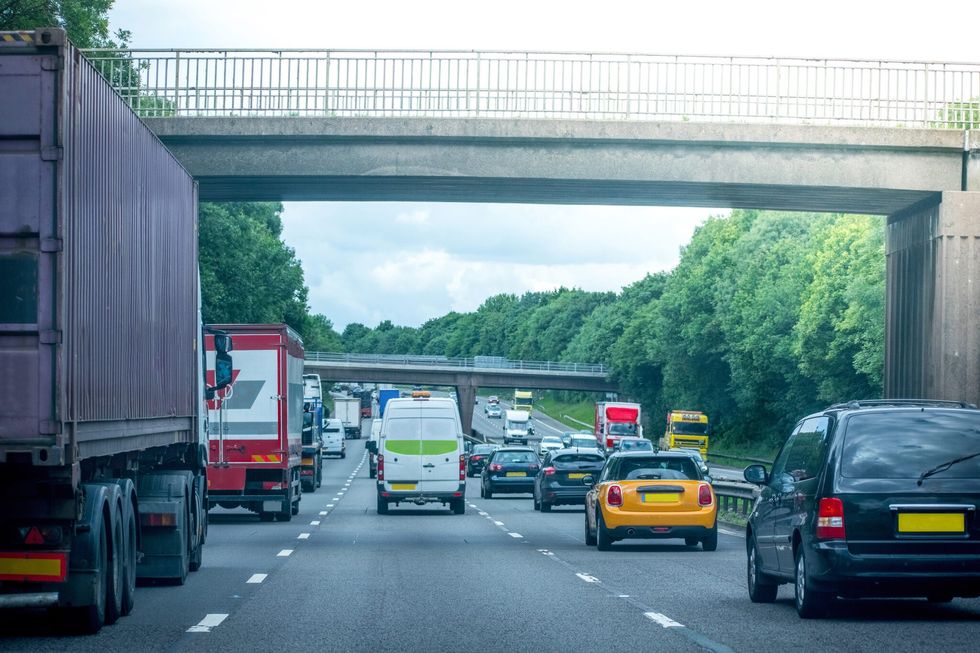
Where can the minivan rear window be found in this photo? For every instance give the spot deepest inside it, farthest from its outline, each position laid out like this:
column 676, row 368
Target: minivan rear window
column 904, row 444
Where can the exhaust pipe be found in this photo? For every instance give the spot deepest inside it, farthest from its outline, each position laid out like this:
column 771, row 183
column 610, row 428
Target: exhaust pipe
column 631, row 531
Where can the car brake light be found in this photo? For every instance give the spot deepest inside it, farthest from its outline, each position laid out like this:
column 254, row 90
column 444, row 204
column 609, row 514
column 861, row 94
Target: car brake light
column 462, row 468
column 381, row 467
column 614, row 496
column 496, row 467
column 704, row 495
column 476, row 458
column 830, row 519
column 548, row 471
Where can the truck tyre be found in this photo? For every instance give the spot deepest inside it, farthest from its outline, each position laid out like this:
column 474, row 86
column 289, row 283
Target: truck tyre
column 185, row 549
column 267, row 516
column 115, row 580
column 90, row 618
column 382, row 506
column 195, row 534
column 130, row 544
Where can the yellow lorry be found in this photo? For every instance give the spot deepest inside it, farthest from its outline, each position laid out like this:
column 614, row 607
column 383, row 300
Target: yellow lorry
column 687, row 429
column 523, row 400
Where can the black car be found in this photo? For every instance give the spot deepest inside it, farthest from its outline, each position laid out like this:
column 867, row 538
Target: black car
column 478, row 457
column 560, row 479
column 510, row 469
column 870, row 499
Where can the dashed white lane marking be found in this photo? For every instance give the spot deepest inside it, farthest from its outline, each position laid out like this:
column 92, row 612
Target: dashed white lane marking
column 207, row 623
column 315, row 522
column 515, row 534
column 622, row 596
column 499, row 523
column 732, row 533
column 482, row 514
column 336, row 499
column 303, row 536
column 284, row 553
column 256, row 578
column 662, row 619
column 323, row 513
column 330, row 505
column 587, row 578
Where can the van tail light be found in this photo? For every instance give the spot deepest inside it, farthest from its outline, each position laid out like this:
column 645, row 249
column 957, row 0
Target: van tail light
column 462, row 468
column 830, row 519
column 496, row 467
column 704, row 495
column 381, row 467
column 614, row 496
column 549, row 471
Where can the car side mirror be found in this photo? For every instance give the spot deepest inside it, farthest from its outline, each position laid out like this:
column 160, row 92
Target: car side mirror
column 588, row 480
column 756, row 474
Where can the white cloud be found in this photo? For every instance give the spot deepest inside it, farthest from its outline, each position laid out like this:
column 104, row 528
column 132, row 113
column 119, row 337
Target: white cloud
column 416, row 217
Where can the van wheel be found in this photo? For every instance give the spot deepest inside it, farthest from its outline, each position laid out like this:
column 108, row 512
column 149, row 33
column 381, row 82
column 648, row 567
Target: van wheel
column 545, row 506
column 762, row 589
column 372, row 473
column 458, row 506
column 810, row 604
column 382, row 506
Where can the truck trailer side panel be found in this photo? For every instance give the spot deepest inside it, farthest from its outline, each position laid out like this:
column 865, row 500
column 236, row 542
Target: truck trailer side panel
column 98, row 250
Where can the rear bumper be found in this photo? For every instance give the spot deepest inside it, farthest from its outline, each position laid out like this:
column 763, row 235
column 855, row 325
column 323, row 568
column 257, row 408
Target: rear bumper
column 658, row 532
column 504, row 484
column 421, row 496
column 835, row 569
column 557, row 496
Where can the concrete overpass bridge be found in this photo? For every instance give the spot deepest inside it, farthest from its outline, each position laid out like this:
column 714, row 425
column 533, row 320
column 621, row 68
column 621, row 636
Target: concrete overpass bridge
column 893, row 138
column 465, row 374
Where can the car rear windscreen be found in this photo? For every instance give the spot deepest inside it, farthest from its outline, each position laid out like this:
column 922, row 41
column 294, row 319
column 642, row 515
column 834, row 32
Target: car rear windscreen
column 904, row 444
column 578, row 458
column 515, row 457
column 651, row 469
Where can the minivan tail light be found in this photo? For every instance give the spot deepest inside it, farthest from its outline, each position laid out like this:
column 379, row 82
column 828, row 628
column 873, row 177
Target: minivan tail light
column 704, row 495
column 381, row 467
column 614, row 496
column 830, row 519
column 462, row 468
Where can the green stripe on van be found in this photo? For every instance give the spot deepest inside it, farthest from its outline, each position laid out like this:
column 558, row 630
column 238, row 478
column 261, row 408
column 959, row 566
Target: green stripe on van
column 420, row 447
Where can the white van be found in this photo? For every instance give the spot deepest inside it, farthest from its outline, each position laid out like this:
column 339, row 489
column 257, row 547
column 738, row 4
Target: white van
column 420, row 454
column 517, row 426
column 333, row 439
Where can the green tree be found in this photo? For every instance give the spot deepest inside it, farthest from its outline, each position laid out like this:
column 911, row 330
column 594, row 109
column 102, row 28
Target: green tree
column 86, row 21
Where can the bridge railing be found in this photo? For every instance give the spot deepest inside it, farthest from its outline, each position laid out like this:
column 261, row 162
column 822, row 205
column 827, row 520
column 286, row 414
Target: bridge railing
column 479, row 363
column 543, row 85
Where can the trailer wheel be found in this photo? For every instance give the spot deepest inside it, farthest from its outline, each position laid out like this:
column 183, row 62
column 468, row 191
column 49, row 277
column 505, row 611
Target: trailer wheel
column 129, row 563
column 185, row 549
column 196, row 534
column 90, row 618
column 115, row 580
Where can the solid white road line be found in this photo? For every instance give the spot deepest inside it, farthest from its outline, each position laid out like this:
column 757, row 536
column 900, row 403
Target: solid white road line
column 662, row 619
column 284, row 553
column 303, row 536
column 207, row 623
column 256, row 578
column 587, row 578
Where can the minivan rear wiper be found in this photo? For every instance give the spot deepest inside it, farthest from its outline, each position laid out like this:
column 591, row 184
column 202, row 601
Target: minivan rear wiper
column 944, row 466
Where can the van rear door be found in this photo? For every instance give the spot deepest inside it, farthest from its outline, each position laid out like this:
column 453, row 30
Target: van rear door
column 401, row 443
column 441, row 449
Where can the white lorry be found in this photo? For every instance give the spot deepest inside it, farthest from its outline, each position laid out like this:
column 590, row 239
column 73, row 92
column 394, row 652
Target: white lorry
column 517, row 426
column 348, row 411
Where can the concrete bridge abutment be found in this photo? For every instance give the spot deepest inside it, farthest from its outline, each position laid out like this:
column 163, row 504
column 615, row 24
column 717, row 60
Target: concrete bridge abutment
column 932, row 304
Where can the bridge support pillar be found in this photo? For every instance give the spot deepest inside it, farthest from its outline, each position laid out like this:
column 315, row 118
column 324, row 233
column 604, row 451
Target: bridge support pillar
column 932, row 304
column 466, row 393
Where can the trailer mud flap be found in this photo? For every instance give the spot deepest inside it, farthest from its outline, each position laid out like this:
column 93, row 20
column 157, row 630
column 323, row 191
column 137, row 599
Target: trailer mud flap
column 164, row 524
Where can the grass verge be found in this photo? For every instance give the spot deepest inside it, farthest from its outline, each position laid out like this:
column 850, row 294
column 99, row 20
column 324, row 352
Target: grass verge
column 584, row 411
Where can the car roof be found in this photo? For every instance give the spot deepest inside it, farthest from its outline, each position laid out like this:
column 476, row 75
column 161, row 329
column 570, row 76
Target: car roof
column 516, row 449
column 649, row 454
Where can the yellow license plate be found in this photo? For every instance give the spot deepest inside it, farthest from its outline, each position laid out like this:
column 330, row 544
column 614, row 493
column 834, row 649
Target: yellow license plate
column 516, row 473
column 403, row 486
column 931, row 522
column 660, row 497
column 576, row 475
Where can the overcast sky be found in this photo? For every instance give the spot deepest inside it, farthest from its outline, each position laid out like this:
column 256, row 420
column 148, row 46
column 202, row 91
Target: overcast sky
column 365, row 262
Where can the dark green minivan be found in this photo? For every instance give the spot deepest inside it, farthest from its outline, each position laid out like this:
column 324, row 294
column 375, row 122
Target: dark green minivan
column 870, row 499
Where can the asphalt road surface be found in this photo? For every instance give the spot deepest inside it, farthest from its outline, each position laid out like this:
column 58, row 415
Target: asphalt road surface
column 502, row 577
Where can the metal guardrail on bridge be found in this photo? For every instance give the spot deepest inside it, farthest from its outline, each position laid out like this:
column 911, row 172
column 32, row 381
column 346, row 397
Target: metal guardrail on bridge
column 567, row 85
column 475, row 363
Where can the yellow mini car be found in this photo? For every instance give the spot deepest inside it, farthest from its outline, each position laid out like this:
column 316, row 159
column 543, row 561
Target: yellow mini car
column 647, row 495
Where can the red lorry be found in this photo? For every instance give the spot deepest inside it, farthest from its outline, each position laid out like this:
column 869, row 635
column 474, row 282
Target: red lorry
column 255, row 425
